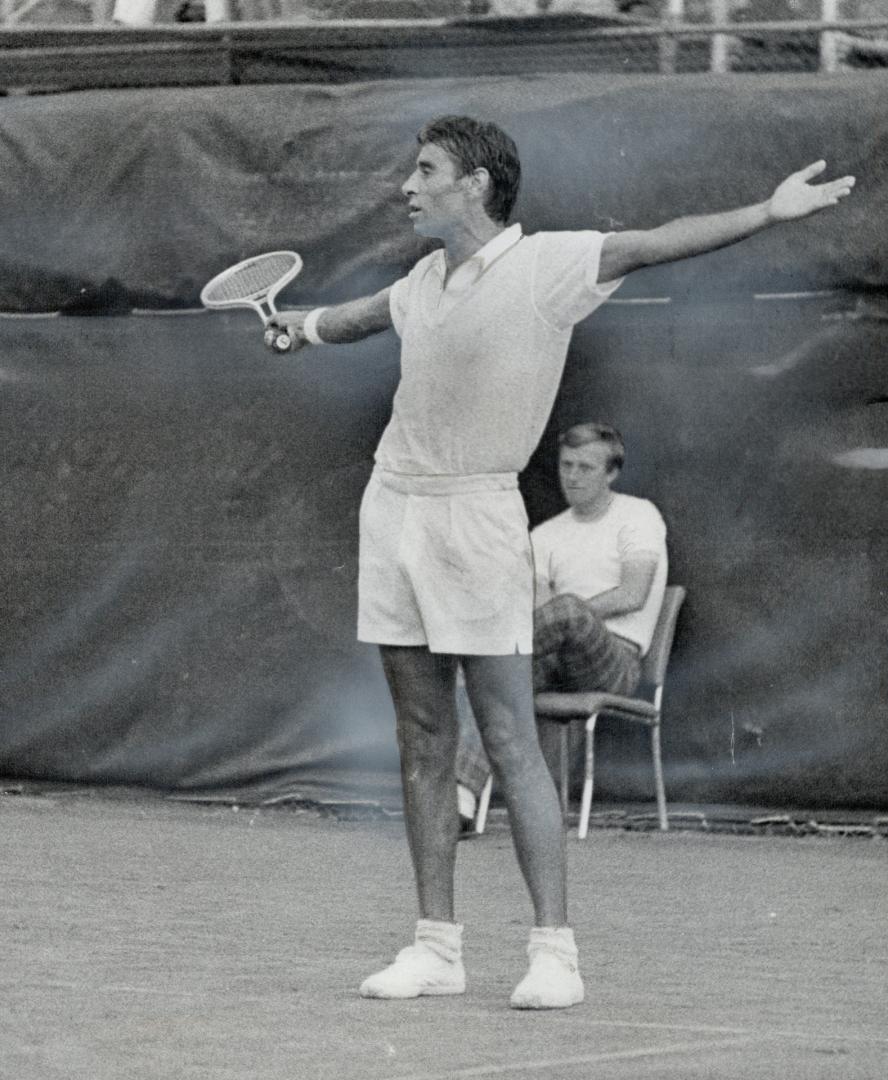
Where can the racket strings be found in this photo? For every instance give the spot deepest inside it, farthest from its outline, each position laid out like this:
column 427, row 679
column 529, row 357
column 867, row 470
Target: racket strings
column 253, row 278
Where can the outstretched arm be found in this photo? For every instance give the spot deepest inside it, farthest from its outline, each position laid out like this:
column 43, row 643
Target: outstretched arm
column 796, row 197
column 341, row 323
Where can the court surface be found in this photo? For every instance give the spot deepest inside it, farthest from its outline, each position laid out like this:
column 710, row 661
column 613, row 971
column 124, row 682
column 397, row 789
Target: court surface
column 146, row 940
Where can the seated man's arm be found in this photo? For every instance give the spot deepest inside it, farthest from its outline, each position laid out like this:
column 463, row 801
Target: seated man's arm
column 796, row 197
column 636, row 580
column 341, row 323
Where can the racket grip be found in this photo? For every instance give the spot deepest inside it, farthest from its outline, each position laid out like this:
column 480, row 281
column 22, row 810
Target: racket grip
column 277, row 340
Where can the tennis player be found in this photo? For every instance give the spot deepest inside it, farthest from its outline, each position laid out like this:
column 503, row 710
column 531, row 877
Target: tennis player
column 445, row 569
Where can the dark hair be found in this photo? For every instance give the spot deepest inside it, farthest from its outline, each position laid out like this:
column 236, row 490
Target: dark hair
column 591, row 432
column 478, row 144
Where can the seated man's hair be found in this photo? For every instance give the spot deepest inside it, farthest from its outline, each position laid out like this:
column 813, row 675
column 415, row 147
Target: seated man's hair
column 479, row 144
column 591, row 432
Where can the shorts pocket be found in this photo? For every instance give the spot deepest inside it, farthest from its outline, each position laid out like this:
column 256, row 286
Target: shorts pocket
column 485, row 558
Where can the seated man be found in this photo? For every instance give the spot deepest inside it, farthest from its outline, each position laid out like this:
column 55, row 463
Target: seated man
column 600, row 569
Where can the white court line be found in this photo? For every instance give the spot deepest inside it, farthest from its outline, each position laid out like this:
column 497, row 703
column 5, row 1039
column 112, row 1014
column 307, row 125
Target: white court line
column 641, row 300
column 743, row 1038
column 735, row 1035
column 811, row 295
column 29, row 314
column 583, row 1059
column 776, row 1033
column 169, row 311
column 743, row 1033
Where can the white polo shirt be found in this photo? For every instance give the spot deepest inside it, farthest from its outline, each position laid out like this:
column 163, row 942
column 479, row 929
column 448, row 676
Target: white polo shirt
column 482, row 358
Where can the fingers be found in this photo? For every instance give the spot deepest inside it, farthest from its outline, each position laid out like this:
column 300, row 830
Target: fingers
column 827, row 194
column 832, row 192
column 843, row 187
column 281, row 340
column 812, row 170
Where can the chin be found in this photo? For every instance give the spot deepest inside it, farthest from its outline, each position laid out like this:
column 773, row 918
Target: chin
column 426, row 228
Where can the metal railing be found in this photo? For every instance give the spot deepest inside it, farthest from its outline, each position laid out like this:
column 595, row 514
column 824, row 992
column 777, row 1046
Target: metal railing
column 44, row 58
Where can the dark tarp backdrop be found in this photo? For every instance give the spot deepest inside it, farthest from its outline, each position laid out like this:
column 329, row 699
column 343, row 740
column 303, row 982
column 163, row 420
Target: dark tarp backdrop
column 180, row 508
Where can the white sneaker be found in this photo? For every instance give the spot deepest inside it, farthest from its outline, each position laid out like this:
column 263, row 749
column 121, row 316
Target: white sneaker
column 553, row 978
column 416, row 972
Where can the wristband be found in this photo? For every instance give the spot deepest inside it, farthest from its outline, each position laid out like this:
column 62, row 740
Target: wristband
column 310, row 327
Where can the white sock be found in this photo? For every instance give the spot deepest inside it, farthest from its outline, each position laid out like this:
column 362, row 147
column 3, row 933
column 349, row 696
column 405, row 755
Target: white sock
column 554, row 939
column 443, row 938
column 466, row 801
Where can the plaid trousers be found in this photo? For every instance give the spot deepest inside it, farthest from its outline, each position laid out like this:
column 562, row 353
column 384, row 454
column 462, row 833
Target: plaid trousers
column 573, row 650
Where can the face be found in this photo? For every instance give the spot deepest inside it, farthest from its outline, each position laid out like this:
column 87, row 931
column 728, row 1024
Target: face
column 437, row 196
column 584, row 475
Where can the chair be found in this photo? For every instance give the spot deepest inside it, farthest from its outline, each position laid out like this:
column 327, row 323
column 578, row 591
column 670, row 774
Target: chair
column 563, row 708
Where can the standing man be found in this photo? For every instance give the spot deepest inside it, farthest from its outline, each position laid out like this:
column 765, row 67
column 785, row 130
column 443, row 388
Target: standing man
column 445, row 569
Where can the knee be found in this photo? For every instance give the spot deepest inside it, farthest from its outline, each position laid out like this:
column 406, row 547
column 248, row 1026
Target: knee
column 426, row 733
column 556, row 618
column 510, row 752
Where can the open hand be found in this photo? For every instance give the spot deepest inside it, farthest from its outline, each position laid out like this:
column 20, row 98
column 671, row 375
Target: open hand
column 797, row 197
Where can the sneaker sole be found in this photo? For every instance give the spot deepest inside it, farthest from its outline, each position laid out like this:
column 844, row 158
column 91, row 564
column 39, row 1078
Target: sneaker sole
column 539, row 1006
column 431, row 991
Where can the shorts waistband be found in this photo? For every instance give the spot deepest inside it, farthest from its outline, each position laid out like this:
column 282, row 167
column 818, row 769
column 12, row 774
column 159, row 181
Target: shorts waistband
column 445, row 484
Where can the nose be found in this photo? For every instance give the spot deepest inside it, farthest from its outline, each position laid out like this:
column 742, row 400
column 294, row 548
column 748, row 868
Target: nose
column 408, row 188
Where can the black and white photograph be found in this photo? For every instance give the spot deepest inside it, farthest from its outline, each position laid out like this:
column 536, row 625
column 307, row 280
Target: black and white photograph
column 444, row 564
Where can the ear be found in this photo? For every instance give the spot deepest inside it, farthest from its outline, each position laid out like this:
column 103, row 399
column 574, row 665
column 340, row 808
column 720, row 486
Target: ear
column 480, row 181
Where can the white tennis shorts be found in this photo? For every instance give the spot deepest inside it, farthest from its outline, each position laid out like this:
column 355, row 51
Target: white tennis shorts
column 445, row 561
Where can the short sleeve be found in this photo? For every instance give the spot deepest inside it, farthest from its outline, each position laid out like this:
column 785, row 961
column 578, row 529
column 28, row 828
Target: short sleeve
column 565, row 283
column 398, row 304
column 643, row 532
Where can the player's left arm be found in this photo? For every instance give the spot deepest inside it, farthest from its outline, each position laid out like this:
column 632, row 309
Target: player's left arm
column 796, row 197
column 636, row 578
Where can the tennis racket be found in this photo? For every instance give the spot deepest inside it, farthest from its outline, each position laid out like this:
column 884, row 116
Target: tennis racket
column 254, row 283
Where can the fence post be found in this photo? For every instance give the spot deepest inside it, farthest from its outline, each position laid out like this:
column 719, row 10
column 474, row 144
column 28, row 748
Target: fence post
column 217, row 11
column 720, row 58
column 829, row 13
column 135, row 12
column 669, row 42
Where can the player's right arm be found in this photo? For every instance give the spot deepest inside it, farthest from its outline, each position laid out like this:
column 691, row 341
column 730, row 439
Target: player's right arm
column 342, row 323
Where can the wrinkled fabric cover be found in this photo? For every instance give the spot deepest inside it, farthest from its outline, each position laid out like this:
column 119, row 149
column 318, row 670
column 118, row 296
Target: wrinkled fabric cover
column 180, row 508
column 157, row 190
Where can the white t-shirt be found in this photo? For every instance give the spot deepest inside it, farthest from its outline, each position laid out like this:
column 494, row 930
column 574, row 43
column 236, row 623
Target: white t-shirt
column 586, row 558
column 479, row 372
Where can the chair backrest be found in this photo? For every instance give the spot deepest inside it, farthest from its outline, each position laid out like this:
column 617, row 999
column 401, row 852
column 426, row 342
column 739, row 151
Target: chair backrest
column 653, row 666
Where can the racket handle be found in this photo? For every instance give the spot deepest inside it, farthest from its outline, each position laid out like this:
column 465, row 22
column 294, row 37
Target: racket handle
column 277, row 340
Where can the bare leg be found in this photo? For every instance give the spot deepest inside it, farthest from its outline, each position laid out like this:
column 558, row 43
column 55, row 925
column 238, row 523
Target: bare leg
column 423, row 685
column 501, row 694
column 550, row 742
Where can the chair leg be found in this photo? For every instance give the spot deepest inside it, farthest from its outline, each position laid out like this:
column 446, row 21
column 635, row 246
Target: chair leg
column 564, row 766
column 586, row 804
column 483, row 805
column 658, row 776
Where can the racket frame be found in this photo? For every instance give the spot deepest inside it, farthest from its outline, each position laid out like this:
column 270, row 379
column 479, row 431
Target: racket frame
column 260, row 300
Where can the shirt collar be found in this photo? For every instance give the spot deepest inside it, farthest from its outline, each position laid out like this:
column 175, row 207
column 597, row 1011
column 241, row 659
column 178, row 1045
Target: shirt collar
column 476, row 264
column 499, row 245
